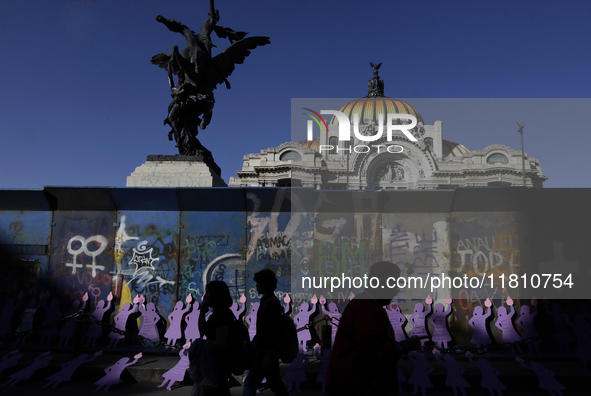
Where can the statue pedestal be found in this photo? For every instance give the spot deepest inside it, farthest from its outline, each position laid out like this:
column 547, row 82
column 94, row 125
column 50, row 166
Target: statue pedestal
column 177, row 171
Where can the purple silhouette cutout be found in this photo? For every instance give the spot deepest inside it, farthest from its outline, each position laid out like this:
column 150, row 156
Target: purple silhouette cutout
column 301, row 321
column 151, row 318
column 10, row 360
column 418, row 320
column 454, row 379
column 439, row 320
column 420, row 374
column 295, row 372
column 65, row 374
column 177, row 373
column 398, row 320
column 505, row 324
column 324, row 357
column 67, row 331
column 26, row 373
column 479, row 323
column 583, row 331
column 545, row 377
column 121, row 321
column 52, row 315
column 95, row 329
column 238, row 311
column 192, row 321
column 528, row 328
column 563, row 337
column 113, row 373
column 7, row 310
column 490, row 375
column 251, row 320
column 175, row 318
column 334, row 314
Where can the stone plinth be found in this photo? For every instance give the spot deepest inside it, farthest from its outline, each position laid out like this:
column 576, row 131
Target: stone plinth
column 176, row 171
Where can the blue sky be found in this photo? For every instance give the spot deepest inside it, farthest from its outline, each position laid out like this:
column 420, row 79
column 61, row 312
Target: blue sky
column 81, row 104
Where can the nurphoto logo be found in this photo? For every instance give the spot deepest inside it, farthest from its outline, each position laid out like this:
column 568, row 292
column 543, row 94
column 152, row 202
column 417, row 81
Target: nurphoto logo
column 345, row 130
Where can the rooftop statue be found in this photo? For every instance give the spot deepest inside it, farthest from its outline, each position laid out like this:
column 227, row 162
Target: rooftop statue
column 198, row 74
column 375, row 86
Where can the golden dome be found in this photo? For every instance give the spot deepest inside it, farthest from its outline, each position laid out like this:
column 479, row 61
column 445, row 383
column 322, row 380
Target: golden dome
column 369, row 108
column 312, row 144
column 376, row 103
column 453, row 149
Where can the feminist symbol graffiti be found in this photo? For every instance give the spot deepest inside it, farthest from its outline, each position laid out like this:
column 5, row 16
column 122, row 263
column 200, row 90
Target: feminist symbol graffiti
column 101, row 240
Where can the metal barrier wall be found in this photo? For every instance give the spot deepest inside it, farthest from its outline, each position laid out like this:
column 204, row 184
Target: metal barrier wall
column 165, row 243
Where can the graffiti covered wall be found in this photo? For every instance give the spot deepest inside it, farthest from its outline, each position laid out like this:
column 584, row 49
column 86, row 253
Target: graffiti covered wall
column 166, row 243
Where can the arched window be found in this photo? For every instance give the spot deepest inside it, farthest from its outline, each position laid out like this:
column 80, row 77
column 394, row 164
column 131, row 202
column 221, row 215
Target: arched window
column 429, row 143
column 497, row 159
column 334, row 142
column 290, row 156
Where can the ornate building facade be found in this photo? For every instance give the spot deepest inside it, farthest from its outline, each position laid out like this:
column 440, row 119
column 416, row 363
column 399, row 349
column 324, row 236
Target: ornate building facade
column 429, row 163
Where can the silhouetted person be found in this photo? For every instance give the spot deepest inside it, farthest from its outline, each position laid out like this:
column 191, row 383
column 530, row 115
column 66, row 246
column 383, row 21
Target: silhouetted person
column 266, row 342
column 217, row 330
column 365, row 354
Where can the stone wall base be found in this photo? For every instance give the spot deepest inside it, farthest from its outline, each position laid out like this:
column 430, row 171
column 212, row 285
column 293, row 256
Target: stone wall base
column 175, row 171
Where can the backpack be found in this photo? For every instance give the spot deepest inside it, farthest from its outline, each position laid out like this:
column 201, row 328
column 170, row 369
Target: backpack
column 242, row 359
column 288, row 339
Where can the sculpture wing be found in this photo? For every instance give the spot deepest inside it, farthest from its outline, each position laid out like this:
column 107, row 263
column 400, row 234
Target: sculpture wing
column 161, row 60
column 232, row 35
column 375, row 67
column 176, row 62
column 223, row 64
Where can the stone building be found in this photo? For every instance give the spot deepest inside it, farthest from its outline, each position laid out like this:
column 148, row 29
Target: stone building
column 429, row 163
